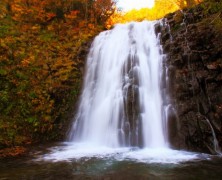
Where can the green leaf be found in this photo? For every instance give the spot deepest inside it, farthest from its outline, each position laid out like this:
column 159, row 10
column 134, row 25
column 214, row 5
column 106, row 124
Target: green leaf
column 3, row 72
column 32, row 120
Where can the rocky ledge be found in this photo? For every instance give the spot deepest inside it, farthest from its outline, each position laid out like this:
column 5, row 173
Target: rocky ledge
column 194, row 66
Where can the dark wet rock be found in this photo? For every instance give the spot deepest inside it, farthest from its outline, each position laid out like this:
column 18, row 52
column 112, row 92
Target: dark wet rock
column 157, row 28
column 194, row 62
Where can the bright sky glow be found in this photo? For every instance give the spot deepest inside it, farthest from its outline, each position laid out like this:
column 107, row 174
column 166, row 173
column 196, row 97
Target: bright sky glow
column 127, row 5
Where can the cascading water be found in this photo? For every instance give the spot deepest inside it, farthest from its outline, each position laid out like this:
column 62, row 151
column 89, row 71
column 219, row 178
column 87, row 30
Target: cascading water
column 121, row 103
column 122, row 113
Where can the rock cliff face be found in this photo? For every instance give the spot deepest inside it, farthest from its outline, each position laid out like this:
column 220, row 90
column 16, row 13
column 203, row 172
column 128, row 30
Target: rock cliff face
column 194, row 66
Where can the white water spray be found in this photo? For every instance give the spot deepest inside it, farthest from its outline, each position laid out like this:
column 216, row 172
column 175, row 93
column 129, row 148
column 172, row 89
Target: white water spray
column 121, row 103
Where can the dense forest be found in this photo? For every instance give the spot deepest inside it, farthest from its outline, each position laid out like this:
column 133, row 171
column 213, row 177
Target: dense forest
column 41, row 44
column 41, row 58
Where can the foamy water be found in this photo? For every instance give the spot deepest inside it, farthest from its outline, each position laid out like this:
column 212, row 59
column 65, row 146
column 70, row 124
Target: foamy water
column 77, row 151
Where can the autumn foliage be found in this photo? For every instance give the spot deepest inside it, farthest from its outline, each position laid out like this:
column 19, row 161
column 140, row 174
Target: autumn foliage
column 160, row 9
column 40, row 57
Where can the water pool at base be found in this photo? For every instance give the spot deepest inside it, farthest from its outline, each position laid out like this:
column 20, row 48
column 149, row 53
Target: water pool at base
column 63, row 161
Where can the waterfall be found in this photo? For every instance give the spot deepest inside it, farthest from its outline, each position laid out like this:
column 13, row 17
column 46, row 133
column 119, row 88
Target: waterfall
column 215, row 141
column 121, row 103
